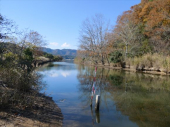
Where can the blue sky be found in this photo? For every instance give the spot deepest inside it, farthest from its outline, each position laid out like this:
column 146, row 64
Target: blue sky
column 59, row 21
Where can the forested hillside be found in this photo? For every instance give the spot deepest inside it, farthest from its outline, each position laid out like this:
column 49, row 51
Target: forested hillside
column 66, row 53
column 140, row 37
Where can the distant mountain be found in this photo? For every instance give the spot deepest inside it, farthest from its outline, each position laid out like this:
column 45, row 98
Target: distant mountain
column 65, row 53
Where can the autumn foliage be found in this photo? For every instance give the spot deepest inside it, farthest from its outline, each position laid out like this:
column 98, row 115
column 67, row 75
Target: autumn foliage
column 154, row 17
column 143, row 29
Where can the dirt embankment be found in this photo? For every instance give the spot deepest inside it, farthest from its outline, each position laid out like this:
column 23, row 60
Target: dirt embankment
column 35, row 110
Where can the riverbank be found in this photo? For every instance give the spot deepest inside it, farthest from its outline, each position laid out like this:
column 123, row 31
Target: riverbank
column 43, row 60
column 28, row 109
column 151, row 70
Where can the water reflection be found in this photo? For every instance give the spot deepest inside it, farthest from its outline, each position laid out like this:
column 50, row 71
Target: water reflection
column 145, row 100
column 54, row 75
column 65, row 74
column 127, row 99
column 58, row 66
column 107, row 111
column 50, row 69
column 142, row 97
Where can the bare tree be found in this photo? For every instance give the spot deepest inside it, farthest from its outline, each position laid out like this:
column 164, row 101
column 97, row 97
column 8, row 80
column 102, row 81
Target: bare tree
column 32, row 40
column 93, row 38
column 7, row 30
column 127, row 32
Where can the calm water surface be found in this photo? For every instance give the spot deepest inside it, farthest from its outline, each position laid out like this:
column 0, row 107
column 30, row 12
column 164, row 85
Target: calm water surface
column 127, row 99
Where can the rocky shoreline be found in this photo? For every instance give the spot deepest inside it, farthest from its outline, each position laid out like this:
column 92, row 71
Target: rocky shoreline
column 43, row 112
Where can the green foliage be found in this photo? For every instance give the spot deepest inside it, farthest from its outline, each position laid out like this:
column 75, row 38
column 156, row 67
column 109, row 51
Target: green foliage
column 16, row 68
column 52, row 57
column 115, row 57
column 144, row 48
column 28, row 55
column 9, row 56
column 57, row 58
column 16, row 71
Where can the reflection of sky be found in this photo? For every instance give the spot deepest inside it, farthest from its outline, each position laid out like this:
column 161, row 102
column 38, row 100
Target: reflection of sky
column 65, row 74
column 63, row 84
column 55, row 74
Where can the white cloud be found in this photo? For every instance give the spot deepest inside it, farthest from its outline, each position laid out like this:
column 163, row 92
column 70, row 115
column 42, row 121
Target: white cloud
column 65, row 45
column 65, row 74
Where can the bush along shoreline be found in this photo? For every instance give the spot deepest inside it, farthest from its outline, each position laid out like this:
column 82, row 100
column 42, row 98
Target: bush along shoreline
column 148, row 63
column 21, row 104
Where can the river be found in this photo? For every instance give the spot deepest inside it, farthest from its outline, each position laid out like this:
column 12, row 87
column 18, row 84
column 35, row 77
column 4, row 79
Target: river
column 127, row 99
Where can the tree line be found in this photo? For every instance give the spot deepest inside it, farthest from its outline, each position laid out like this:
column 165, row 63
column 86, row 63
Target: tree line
column 18, row 51
column 144, row 29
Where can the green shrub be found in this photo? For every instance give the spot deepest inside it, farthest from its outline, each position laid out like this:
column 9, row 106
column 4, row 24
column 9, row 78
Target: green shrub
column 115, row 57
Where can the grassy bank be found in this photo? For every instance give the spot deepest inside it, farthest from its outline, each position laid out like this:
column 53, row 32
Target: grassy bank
column 148, row 63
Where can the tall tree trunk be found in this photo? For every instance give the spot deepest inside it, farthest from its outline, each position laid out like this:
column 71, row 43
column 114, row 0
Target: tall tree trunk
column 107, row 60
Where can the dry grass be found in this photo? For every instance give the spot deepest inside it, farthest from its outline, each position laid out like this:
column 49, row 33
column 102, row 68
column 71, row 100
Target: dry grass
column 150, row 61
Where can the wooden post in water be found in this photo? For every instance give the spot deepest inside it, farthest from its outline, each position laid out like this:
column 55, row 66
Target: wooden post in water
column 97, row 102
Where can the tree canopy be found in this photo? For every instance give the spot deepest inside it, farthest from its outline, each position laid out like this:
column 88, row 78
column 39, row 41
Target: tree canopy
column 145, row 28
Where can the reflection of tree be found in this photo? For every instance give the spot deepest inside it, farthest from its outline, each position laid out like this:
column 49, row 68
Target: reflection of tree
column 142, row 97
column 145, row 101
column 116, row 79
column 146, row 110
column 86, row 79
